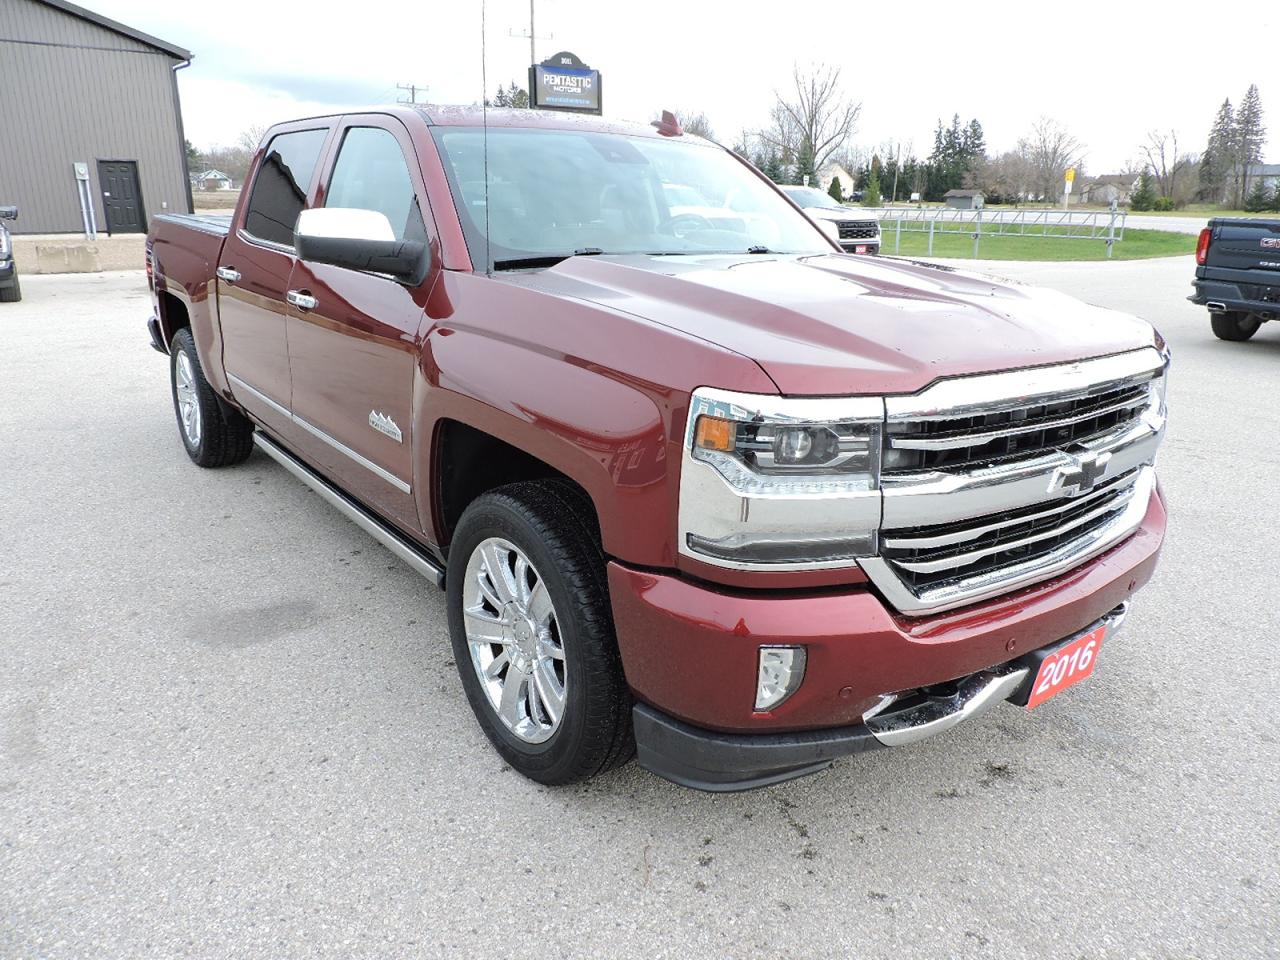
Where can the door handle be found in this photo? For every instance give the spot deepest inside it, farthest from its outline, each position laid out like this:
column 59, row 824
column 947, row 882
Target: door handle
column 229, row 274
column 303, row 301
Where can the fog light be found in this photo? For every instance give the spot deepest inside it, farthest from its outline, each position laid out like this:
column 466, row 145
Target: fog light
column 781, row 670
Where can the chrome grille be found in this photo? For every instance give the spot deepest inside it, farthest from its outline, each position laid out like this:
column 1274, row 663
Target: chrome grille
column 857, row 229
column 930, row 557
column 998, row 481
column 979, row 439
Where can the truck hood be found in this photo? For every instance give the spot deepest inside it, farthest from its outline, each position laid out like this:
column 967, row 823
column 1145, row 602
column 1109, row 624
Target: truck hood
column 826, row 325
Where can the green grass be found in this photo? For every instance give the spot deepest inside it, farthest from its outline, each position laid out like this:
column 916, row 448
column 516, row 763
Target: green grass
column 1136, row 245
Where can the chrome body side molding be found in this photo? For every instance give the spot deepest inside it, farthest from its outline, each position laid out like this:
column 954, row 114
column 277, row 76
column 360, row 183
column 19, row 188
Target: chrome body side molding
column 402, row 485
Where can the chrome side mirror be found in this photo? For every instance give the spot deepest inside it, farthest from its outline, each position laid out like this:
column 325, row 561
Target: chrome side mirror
column 359, row 240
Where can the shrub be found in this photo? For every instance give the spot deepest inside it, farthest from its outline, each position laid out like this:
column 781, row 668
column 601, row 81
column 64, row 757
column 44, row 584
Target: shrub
column 835, row 190
column 1163, row 204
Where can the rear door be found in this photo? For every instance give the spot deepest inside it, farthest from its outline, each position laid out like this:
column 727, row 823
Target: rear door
column 354, row 354
column 253, row 274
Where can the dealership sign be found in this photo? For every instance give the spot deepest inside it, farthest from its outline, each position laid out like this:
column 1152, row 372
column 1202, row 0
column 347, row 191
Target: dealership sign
column 563, row 82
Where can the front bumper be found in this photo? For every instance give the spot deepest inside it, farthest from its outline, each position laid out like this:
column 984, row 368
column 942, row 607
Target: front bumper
column 8, row 270
column 690, row 650
column 869, row 246
column 1224, row 295
column 719, row 762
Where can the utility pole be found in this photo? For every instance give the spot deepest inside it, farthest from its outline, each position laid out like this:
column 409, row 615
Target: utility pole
column 411, row 89
column 532, row 35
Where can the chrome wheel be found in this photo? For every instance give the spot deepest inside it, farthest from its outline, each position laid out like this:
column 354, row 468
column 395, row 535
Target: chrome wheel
column 184, row 388
column 514, row 640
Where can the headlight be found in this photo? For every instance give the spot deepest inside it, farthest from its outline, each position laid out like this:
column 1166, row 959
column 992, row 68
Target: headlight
column 4, row 243
column 772, row 483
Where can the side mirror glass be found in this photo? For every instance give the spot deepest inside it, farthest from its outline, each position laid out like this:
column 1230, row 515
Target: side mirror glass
column 8, row 213
column 359, row 240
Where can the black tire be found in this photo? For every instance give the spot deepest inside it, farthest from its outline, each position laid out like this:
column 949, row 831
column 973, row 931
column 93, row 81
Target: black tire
column 11, row 294
column 1234, row 325
column 225, row 436
column 552, row 524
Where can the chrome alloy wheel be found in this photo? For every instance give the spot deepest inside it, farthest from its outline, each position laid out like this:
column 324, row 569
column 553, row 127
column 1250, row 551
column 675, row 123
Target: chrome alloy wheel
column 514, row 640
column 188, row 403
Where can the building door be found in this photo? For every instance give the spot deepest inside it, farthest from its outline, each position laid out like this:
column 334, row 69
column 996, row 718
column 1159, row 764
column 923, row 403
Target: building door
column 121, row 196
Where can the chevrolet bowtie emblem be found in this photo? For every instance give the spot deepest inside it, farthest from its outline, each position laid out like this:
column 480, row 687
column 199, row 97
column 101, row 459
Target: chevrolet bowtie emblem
column 1080, row 476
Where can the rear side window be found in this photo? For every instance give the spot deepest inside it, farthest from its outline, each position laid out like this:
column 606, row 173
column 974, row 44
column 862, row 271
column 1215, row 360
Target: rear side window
column 371, row 174
column 280, row 188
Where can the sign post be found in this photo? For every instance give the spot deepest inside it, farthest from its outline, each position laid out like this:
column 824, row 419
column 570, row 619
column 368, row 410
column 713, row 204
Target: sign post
column 563, row 82
column 1066, row 187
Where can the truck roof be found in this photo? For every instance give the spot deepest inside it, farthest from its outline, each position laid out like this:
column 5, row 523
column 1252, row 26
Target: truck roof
column 445, row 115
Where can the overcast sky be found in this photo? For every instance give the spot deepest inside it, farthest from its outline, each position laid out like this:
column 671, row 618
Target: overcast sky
column 1109, row 73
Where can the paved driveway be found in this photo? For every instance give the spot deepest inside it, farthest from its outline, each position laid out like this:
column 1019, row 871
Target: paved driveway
column 230, row 725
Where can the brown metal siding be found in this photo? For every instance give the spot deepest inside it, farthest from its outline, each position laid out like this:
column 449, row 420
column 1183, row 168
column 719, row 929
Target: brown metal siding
column 75, row 91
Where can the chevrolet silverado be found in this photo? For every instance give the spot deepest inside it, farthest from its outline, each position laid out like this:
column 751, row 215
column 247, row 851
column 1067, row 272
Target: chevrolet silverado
column 707, row 491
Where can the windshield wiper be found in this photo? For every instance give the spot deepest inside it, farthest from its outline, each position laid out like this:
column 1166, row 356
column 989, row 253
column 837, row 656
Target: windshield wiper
column 546, row 260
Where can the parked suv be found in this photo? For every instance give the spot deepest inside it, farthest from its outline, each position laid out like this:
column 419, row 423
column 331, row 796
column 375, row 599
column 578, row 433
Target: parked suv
column 728, row 499
column 10, row 288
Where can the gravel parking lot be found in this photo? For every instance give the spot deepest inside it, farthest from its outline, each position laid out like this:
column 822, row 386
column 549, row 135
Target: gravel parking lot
column 230, row 724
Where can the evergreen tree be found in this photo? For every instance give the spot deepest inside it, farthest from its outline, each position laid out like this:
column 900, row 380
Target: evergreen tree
column 194, row 164
column 835, row 191
column 1251, row 135
column 871, row 193
column 1144, row 197
column 1217, row 165
column 773, row 168
column 1259, row 199
column 804, row 165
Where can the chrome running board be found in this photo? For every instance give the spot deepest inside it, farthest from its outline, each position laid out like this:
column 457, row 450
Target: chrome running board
column 377, row 528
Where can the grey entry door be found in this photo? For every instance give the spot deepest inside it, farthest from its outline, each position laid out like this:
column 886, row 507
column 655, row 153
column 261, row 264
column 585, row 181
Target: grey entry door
column 121, row 196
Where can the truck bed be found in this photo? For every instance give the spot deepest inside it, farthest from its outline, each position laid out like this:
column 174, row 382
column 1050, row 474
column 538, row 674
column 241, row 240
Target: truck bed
column 218, row 224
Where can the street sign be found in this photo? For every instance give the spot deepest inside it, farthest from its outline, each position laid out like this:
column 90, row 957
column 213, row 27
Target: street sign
column 1071, row 174
column 563, row 82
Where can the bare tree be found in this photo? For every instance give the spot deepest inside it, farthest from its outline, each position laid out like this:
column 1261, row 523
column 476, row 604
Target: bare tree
column 695, row 123
column 1168, row 166
column 1048, row 151
column 1008, row 176
column 251, row 137
column 817, row 117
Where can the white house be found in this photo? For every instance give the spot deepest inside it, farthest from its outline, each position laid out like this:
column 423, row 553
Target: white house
column 834, row 171
column 212, row 180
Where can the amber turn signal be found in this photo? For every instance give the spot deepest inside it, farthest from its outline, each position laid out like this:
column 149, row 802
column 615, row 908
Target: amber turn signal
column 715, row 433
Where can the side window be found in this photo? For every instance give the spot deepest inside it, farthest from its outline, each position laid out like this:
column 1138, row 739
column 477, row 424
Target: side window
column 371, row 174
column 280, row 188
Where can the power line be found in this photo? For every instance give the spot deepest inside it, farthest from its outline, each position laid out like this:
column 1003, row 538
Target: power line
column 413, row 90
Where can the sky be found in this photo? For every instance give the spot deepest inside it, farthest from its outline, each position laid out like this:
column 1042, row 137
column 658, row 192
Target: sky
column 1108, row 76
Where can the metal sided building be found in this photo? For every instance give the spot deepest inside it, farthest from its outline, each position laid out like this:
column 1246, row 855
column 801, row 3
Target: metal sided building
column 89, row 114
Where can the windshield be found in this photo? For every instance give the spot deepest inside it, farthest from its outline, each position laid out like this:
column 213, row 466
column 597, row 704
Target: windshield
column 808, row 197
column 553, row 193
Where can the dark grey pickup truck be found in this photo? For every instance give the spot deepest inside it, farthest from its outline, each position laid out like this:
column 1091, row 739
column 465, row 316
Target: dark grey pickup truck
column 1238, row 275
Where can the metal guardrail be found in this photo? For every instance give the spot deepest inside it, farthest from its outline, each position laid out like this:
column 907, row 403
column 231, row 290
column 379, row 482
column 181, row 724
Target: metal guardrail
column 1106, row 225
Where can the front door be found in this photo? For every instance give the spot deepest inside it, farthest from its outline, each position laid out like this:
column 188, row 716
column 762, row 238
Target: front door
column 121, row 196
column 253, row 276
column 354, row 355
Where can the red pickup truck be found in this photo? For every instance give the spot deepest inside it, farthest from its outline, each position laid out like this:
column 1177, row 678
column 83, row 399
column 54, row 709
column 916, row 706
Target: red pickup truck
column 698, row 485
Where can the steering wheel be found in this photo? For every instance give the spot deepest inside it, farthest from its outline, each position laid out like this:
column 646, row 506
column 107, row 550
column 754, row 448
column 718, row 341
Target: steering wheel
column 683, row 224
